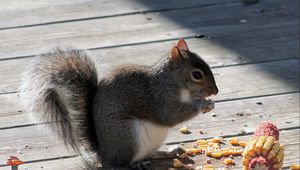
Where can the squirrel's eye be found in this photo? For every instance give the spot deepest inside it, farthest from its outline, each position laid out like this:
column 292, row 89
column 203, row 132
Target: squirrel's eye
column 197, row 75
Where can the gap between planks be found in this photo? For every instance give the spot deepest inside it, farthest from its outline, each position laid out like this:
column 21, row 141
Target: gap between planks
column 161, row 27
column 222, row 125
column 285, row 138
column 137, row 12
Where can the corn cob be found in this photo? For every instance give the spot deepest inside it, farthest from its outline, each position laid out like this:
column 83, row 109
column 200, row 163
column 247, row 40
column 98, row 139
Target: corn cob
column 264, row 151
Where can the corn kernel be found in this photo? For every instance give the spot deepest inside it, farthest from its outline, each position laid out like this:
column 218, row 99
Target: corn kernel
column 216, row 155
column 184, row 130
column 268, row 145
column 274, row 150
column 208, row 167
column 195, row 150
column 216, row 140
column 280, row 154
column 295, row 167
column 260, row 143
column 233, row 141
column 226, row 152
column 228, row 162
column 242, row 143
column 202, row 142
column 245, row 162
column 245, row 168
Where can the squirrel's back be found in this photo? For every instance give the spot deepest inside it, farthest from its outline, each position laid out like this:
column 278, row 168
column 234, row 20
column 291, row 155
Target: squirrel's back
column 60, row 88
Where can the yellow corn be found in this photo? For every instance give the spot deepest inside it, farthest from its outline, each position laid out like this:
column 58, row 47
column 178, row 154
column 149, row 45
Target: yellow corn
column 233, row 141
column 250, row 148
column 208, row 167
column 228, row 161
column 243, row 143
column 274, row 150
column 268, row 145
column 202, row 142
column 280, row 154
column 245, row 168
column 216, row 155
column 216, row 140
column 184, row 130
column 295, row 167
column 259, row 145
column 245, row 161
column 195, row 150
column 214, row 145
column 226, row 152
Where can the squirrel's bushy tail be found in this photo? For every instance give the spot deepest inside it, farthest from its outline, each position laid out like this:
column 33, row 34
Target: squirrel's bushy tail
column 59, row 88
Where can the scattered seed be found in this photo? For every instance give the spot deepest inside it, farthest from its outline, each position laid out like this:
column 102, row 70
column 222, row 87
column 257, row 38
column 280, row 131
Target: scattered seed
column 184, row 130
column 288, row 122
column 213, row 115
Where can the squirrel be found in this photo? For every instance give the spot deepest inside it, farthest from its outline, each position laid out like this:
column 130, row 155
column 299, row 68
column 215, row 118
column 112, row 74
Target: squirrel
column 124, row 117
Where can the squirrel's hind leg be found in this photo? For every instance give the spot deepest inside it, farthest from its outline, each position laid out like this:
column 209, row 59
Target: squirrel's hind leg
column 143, row 165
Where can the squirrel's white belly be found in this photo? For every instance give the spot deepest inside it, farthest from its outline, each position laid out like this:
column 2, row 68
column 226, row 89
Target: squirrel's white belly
column 149, row 138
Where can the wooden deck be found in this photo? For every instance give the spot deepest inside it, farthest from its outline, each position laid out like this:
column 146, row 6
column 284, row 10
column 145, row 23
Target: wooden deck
column 253, row 51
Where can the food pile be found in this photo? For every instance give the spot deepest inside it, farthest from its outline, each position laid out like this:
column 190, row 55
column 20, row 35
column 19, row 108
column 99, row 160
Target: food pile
column 262, row 152
column 212, row 148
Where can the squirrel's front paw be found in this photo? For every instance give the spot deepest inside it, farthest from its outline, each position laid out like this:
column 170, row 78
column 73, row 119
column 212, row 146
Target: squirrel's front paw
column 206, row 105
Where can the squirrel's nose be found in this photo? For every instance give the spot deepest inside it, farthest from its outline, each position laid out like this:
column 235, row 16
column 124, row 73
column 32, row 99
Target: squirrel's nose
column 214, row 90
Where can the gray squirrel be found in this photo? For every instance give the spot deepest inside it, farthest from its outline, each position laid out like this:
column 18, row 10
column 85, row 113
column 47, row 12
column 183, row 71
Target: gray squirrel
column 124, row 117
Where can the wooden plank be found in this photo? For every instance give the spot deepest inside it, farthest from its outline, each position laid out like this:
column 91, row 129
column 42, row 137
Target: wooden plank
column 19, row 13
column 283, row 110
column 37, row 140
column 257, row 48
column 234, row 82
column 137, row 29
column 262, row 45
column 291, row 156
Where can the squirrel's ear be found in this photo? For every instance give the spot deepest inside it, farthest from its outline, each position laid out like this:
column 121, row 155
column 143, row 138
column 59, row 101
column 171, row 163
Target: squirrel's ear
column 182, row 45
column 176, row 55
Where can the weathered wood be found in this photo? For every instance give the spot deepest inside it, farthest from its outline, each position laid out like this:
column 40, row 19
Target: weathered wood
column 234, row 82
column 18, row 13
column 257, row 48
column 291, row 156
column 137, row 29
column 35, row 137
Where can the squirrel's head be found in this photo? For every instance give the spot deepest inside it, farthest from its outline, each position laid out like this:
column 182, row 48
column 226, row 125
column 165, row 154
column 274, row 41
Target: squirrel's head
column 192, row 71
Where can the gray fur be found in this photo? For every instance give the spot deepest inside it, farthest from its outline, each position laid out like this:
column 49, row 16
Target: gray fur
column 59, row 88
column 103, row 117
